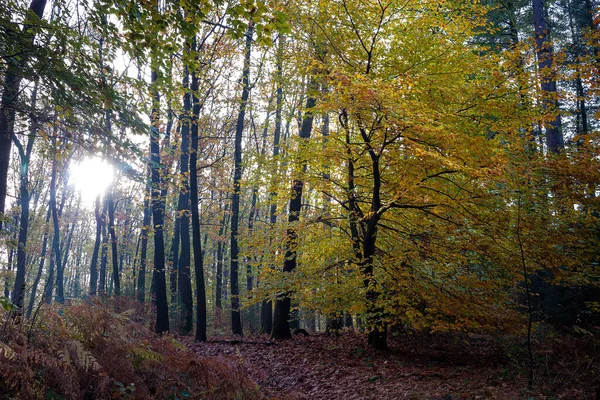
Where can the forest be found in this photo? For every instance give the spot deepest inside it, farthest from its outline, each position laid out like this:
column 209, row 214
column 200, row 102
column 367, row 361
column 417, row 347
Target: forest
column 268, row 199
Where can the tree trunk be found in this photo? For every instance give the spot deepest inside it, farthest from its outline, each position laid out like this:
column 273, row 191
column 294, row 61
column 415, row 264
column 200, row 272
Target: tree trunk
column 219, row 269
column 94, row 262
column 10, row 93
column 545, row 56
column 49, row 288
column 60, row 296
column 249, row 280
column 38, row 277
column 158, row 219
column 183, row 212
column 378, row 329
column 173, row 259
column 141, row 283
column 113, row 241
column 281, row 327
column 236, row 322
column 65, row 252
column 25, row 155
column 104, row 252
column 196, row 238
column 266, row 310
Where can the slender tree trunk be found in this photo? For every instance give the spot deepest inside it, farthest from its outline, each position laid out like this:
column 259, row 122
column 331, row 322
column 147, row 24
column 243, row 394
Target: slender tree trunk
column 174, row 257
column 25, row 155
column 355, row 213
column 94, row 263
column 582, row 127
column 38, row 277
column 236, row 322
column 113, row 241
column 281, row 327
column 11, row 256
column 141, row 283
column 104, row 252
column 77, row 278
column 219, row 272
column 545, row 56
column 134, row 266
column 158, row 209
column 109, row 197
column 252, row 216
column 49, row 288
column 266, row 314
column 184, row 271
column 60, row 296
column 10, row 93
column 65, row 251
column 196, row 238
column 249, row 278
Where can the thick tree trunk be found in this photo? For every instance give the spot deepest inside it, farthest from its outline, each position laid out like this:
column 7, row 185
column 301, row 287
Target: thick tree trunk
column 10, row 93
column 236, row 321
column 378, row 329
column 281, row 327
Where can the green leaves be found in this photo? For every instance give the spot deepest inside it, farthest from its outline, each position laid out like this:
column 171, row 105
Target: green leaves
column 7, row 305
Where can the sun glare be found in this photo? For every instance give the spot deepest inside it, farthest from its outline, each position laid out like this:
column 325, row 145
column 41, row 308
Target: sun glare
column 91, row 176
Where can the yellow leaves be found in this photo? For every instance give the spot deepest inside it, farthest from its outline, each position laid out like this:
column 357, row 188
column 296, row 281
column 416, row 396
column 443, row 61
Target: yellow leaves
column 142, row 353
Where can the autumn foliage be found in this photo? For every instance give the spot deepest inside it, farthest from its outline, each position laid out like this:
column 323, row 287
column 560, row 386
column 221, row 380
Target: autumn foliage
column 96, row 350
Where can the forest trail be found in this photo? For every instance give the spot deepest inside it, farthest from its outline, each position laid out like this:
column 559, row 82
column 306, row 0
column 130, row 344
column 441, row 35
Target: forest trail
column 343, row 367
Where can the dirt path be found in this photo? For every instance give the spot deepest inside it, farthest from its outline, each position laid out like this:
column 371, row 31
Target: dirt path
column 324, row 367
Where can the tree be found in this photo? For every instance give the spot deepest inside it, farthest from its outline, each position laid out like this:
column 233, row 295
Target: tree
column 141, row 283
column 25, row 156
column 281, row 328
column 545, row 57
column 184, row 211
column 11, row 90
column 158, row 209
column 236, row 323
column 56, row 224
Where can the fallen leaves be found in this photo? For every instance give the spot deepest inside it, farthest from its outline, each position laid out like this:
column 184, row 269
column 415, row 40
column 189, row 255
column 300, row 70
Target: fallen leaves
column 439, row 367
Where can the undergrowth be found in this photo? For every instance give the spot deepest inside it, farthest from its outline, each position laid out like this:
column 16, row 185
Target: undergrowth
column 96, row 350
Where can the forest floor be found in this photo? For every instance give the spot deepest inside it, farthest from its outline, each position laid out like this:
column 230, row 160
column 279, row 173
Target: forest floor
column 444, row 367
